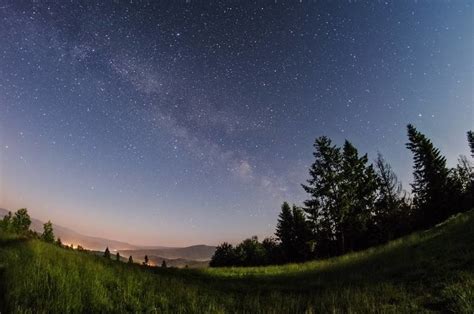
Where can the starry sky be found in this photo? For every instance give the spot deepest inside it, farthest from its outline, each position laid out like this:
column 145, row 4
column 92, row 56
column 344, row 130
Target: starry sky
column 185, row 122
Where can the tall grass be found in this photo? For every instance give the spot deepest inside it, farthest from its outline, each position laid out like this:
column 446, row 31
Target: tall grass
column 427, row 271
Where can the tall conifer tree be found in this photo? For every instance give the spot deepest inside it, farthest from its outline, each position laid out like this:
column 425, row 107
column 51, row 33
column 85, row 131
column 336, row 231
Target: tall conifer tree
column 323, row 187
column 284, row 230
column 358, row 192
column 430, row 184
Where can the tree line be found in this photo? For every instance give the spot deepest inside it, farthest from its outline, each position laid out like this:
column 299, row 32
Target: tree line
column 354, row 204
column 20, row 222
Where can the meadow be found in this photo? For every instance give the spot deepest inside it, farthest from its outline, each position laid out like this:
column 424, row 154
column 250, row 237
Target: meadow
column 428, row 271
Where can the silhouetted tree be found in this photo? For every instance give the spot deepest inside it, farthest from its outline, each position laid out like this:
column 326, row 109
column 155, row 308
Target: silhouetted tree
column 80, row 248
column 130, row 259
column 391, row 217
column 106, row 253
column 323, row 186
column 430, row 184
column 58, row 242
column 285, row 231
column 48, row 234
column 357, row 193
column 461, row 184
column 163, row 264
column 6, row 222
column 145, row 262
column 342, row 188
column 389, row 188
column 470, row 140
column 250, row 252
column 117, row 257
column 224, row 255
column 302, row 245
column 273, row 251
column 21, row 221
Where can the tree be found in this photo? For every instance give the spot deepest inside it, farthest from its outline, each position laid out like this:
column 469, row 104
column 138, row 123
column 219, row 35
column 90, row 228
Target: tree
column 58, row 242
column 117, row 257
column 224, row 255
column 48, row 234
column 107, row 253
column 163, row 264
column 389, row 188
column 130, row 259
column 250, row 252
column 470, row 140
column 273, row 251
column 430, row 184
column 284, row 231
column 6, row 222
column 323, row 187
column 461, row 183
column 357, row 197
column 21, row 221
column 391, row 216
column 342, row 189
column 301, row 230
column 145, row 262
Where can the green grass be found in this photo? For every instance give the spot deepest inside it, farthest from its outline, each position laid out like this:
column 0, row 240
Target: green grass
column 431, row 271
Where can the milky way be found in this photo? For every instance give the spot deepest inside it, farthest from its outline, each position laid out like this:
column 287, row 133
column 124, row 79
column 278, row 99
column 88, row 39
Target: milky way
column 190, row 121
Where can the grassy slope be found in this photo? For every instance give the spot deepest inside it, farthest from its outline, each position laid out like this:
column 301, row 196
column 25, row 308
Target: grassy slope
column 427, row 271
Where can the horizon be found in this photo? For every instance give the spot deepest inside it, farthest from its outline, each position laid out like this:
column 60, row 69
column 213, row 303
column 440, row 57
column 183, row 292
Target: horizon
column 189, row 124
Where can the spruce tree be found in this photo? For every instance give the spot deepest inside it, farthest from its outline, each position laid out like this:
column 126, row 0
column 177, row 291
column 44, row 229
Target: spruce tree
column 130, row 259
column 357, row 193
column 163, row 264
column 323, row 187
column 430, row 183
column 284, row 231
column 117, row 257
column 145, row 262
column 107, row 253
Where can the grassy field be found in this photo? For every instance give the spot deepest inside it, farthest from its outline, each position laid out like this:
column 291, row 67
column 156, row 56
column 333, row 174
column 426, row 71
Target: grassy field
column 431, row 271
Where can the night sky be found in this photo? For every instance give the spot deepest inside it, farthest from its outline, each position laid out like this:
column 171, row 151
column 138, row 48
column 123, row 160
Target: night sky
column 185, row 122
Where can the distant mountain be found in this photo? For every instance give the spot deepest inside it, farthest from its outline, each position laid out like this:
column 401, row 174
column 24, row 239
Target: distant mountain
column 181, row 255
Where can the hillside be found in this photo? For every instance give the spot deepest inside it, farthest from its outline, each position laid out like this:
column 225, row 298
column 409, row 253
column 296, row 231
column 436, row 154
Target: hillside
column 430, row 271
column 69, row 236
column 191, row 255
